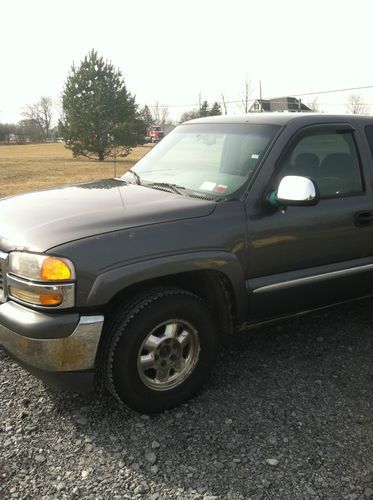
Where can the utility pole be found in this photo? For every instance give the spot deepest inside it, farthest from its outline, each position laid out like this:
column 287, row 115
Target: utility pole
column 260, row 96
column 115, row 162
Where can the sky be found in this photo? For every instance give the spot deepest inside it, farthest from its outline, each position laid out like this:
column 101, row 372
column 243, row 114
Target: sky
column 175, row 52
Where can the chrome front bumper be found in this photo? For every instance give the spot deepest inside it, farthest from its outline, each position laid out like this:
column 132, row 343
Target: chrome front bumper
column 76, row 352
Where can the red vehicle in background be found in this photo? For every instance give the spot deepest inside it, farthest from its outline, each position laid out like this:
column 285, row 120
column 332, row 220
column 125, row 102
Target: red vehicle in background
column 156, row 133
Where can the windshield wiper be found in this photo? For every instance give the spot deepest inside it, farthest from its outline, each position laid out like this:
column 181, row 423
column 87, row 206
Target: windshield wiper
column 175, row 188
column 136, row 176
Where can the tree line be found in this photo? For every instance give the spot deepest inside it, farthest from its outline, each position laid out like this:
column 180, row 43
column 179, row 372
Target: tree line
column 101, row 118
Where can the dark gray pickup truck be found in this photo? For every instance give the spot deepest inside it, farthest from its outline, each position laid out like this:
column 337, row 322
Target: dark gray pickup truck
column 226, row 224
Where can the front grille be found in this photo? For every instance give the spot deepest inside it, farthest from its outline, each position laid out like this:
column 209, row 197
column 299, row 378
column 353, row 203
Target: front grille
column 3, row 259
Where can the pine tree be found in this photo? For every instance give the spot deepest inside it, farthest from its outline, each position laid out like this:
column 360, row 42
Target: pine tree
column 100, row 116
column 204, row 110
column 216, row 109
column 147, row 116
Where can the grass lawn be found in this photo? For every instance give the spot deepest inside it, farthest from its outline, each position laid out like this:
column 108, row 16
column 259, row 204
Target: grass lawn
column 36, row 166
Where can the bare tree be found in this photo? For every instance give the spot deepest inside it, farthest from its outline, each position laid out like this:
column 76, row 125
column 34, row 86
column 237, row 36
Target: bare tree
column 314, row 105
column 245, row 101
column 30, row 129
column 41, row 113
column 356, row 105
column 190, row 115
column 224, row 103
column 159, row 112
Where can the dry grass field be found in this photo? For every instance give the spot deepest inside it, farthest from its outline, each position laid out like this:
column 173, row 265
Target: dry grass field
column 37, row 166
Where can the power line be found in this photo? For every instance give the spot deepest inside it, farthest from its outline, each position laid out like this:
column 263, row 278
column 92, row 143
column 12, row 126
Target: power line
column 333, row 91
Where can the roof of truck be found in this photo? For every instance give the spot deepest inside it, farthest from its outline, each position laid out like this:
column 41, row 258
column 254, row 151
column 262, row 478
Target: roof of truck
column 284, row 118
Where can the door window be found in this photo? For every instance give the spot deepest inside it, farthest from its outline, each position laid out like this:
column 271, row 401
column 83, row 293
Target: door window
column 328, row 157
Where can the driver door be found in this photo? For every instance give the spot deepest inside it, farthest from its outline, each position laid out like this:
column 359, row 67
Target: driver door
column 311, row 256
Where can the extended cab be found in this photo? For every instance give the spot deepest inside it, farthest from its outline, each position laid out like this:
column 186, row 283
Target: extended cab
column 226, row 224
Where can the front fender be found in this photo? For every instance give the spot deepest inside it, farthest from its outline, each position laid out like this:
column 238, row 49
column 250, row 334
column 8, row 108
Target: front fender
column 110, row 283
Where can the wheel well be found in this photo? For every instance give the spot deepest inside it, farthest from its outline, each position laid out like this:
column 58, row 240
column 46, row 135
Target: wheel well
column 213, row 287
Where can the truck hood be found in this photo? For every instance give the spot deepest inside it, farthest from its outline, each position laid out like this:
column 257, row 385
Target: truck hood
column 44, row 219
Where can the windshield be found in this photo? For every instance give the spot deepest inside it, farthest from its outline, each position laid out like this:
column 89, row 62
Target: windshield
column 215, row 159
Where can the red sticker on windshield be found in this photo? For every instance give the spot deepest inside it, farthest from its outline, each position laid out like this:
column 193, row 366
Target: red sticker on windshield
column 220, row 188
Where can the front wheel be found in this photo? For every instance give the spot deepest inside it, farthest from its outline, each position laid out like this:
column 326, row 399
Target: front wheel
column 159, row 349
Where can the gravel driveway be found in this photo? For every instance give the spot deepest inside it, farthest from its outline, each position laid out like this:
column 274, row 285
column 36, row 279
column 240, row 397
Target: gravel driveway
column 287, row 414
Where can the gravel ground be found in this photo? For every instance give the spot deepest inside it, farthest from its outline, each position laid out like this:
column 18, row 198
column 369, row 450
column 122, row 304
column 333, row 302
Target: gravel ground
column 287, row 414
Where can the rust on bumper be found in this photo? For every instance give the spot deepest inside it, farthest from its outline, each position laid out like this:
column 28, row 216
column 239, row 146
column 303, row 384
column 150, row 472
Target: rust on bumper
column 73, row 353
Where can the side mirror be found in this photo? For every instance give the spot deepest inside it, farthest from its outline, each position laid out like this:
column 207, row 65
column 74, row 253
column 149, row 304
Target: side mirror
column 294, row 190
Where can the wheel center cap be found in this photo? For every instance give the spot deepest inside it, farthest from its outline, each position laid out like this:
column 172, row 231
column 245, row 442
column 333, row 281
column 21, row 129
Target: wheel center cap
column 164, row 351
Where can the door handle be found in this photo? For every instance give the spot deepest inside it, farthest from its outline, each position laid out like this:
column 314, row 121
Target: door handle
column 364, row 218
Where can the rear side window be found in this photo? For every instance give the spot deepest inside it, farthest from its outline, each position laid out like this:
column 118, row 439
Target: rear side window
column 369, row 134
column 329, row 158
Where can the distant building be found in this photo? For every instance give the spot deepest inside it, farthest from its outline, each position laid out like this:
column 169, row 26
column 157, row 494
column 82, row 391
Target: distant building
column 279, row 104
column 18, row 139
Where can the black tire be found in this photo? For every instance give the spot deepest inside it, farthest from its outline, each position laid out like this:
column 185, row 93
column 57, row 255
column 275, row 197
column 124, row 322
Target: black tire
column 128, row 329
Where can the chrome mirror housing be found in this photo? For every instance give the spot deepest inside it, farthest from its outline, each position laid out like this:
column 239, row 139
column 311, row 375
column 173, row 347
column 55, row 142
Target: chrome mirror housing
column 296, row 190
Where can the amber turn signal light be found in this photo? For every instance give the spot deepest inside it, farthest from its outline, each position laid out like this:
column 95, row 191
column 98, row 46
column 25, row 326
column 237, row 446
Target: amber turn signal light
column 54, row 269
column 35, row 298
column 50, row 300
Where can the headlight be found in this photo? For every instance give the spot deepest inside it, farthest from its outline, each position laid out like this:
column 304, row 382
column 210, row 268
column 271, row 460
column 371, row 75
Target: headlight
column 40, row 267
column 41, row 280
